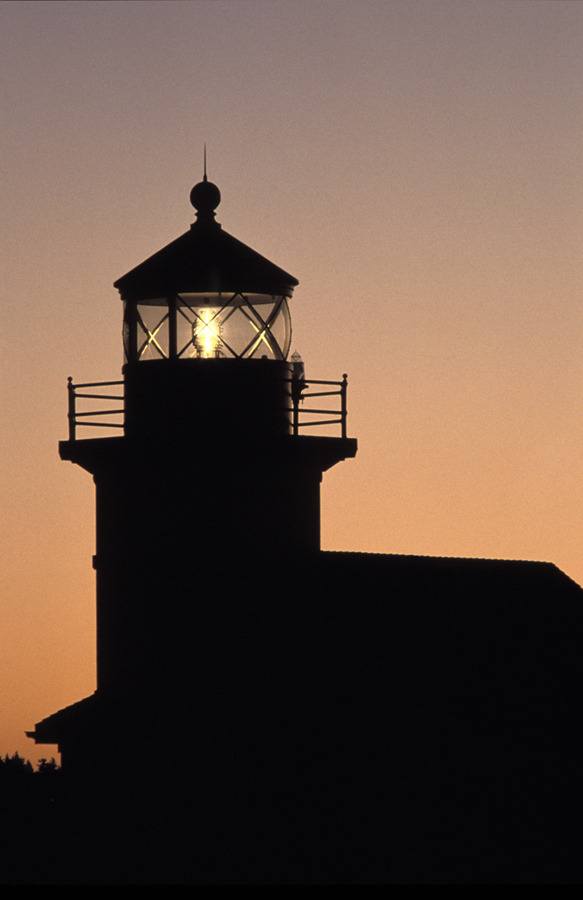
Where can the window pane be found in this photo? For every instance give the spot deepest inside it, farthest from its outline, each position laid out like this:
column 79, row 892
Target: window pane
column 152, row 332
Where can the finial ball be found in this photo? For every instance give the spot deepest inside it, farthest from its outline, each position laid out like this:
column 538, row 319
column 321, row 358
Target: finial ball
column 205, row 196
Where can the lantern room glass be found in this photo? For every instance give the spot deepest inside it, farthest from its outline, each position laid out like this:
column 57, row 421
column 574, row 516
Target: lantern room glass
column 207, row 326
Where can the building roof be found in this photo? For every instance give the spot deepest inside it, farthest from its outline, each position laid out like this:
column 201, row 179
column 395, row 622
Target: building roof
column 51, row 729
column 206, row 258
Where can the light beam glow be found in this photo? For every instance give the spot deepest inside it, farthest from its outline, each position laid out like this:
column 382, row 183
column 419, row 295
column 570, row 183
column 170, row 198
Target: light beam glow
column 207, row 334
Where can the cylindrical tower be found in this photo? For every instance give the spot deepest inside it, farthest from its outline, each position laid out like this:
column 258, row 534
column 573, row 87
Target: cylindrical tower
column 211, row 493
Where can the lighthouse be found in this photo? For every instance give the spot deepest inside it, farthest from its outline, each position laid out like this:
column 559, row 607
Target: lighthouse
column 207, row 494
column 265, row 710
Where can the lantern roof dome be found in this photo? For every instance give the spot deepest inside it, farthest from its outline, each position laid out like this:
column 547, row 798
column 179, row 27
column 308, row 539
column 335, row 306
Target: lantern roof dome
column 205, row 258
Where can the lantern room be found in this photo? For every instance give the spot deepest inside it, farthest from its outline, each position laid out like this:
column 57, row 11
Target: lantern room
column 206, row 296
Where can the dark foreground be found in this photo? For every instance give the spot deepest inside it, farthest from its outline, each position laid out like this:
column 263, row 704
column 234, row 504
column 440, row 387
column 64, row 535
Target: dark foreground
column 375, row 720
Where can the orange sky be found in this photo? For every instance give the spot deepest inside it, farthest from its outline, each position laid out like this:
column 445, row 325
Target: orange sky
column 417, row 165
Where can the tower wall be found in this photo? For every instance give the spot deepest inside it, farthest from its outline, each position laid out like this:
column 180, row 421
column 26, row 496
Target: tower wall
column 207, row 497
column 180, row 529
column 210, row 401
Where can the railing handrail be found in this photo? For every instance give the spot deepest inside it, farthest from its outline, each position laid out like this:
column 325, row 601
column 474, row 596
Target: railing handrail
column 308, row 381
column 95, row 383
column 73, row 415
column 300, row 391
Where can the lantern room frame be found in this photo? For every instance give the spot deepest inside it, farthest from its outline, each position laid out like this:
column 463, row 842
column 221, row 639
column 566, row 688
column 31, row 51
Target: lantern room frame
column 182, row 314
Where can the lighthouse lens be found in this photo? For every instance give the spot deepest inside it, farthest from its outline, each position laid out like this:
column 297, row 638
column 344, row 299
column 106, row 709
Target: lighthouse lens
column 206, row 334
column 243, row 326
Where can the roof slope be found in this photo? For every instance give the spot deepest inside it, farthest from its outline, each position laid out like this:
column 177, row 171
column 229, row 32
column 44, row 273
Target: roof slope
column 206, row 258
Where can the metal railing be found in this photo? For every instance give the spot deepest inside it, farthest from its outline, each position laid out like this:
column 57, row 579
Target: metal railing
column 299, row 392
column 74, row 415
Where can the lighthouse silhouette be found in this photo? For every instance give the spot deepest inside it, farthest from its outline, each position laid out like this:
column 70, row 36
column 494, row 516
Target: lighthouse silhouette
column 211, row 493
column 266, row 710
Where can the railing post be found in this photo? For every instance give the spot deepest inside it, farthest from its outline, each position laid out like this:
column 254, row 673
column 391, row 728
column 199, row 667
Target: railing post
column 71, row 407
column 298, row 383
column 344, row 412
column 296, row 408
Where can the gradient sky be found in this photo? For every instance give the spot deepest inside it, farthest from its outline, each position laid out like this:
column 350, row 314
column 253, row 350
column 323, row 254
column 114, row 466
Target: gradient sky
column 417, row 165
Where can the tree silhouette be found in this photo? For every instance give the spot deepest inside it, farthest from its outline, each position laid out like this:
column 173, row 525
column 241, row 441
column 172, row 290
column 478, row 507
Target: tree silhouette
column 14, row 766
column 47, row 767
